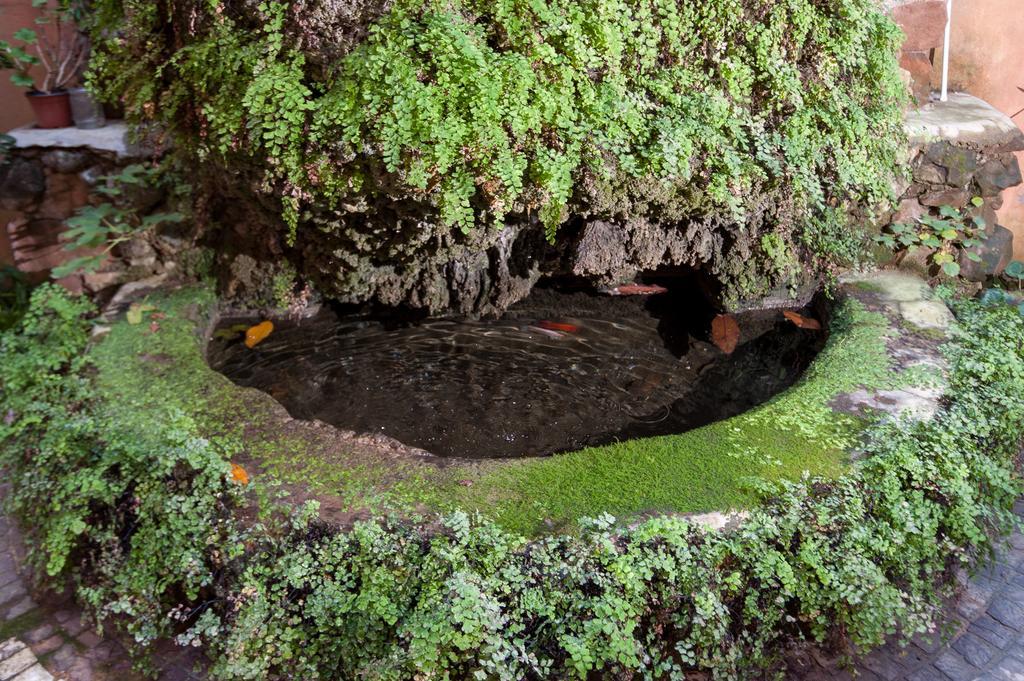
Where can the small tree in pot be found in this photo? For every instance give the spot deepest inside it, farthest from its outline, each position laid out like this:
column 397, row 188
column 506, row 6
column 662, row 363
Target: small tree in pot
column 60, row 49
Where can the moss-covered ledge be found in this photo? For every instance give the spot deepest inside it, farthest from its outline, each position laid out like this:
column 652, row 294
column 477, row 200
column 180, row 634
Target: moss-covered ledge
column 882, row 346
column 155, row 530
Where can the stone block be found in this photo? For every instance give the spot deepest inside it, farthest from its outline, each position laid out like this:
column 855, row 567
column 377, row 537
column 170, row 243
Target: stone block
column 22, row 179
column 996, row 252
column 957, row 198
column 35, row 673
column 964, row 120
column 959, row 163
column 992, row 632
column 974, row 649
column 999, row 173
column 930, row 173
column 918, row 66
column 1008, row 613
column 953, row 665
column 65, row 160
column 907, row 212
column 923, row 23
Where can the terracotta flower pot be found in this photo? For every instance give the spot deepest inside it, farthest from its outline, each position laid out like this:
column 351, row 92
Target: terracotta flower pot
column 52, row 110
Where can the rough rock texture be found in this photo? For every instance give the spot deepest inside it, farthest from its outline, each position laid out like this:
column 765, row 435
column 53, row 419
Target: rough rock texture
column 961, row 149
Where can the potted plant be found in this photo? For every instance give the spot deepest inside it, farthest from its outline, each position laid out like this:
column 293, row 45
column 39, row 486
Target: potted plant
column 59, row 49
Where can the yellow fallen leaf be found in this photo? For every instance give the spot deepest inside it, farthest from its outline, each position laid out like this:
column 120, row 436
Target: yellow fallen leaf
column 239, row 475
column 255, row 335
column 135, row 312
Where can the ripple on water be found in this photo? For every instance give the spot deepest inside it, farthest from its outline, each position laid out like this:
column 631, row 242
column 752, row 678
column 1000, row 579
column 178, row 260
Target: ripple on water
column 516, row 386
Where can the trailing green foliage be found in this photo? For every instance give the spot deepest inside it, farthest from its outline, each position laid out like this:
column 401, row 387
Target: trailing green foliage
column 112, row 221
column 150, row 525
column 951, row 232
column 777, row 113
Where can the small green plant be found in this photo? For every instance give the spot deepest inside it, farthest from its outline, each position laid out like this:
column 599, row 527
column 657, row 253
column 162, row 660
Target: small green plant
column 103, row 226
column 948, row 234
column 58, row 47
column 1015, row 272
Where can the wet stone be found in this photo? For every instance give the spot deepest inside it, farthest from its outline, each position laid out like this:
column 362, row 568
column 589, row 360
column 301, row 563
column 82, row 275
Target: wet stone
column 1008, row 669
column 953, row 665
column 884, row 664
column 47, row 646
column 38, row 634
column 996, row 634
column 13, row 591
column 928, row 673
column 20, row 608
column 1008, row 613
column 974, row 649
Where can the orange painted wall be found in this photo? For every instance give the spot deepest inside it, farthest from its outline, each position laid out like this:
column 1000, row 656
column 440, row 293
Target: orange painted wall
column 14, row 109
column 987, row 60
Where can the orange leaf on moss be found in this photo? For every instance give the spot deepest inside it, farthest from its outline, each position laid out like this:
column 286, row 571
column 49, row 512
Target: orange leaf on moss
column 256, row 334
column 239, row 475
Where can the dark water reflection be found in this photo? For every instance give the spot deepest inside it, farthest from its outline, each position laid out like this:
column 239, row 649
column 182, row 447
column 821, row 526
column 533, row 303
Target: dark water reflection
column 519, row 386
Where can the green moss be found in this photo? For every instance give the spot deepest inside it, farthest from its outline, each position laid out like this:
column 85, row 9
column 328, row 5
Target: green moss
column 20, row 624
column 145, row 375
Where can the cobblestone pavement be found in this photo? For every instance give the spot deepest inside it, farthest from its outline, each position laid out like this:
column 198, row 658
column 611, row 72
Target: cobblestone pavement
column 45, row 639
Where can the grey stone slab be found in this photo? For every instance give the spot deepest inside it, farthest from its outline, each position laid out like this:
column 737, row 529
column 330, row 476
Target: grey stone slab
column 964, row 119
column 1009, row 669
column 112, row 138
column 13, row 591
column 1008, row 613
column 17, row 663
column 10, row 647
column 884, row 664
column 19, row 608
column 975, row 650
column 954, row 666
column 928, row 673
column 34, row 673
column 996, row 634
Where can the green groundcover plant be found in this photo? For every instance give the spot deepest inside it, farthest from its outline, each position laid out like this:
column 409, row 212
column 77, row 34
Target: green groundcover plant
column 160, row 539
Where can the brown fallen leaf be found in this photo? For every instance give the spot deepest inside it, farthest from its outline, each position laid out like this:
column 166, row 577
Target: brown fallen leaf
column 157, row 316
column 725, row 333
column 801, row 321
column 154, row 327
column 256, row 334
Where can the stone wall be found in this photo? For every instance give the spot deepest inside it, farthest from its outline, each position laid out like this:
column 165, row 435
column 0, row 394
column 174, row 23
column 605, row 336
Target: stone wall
column 50, row 175
column 962, row 149
column 986, row 60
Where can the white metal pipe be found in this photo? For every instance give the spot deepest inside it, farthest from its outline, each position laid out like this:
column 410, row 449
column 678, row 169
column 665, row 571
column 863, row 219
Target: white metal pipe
column 945, row 51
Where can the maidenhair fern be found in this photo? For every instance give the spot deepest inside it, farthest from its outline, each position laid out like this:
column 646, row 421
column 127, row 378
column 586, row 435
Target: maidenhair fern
column 483, row 109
